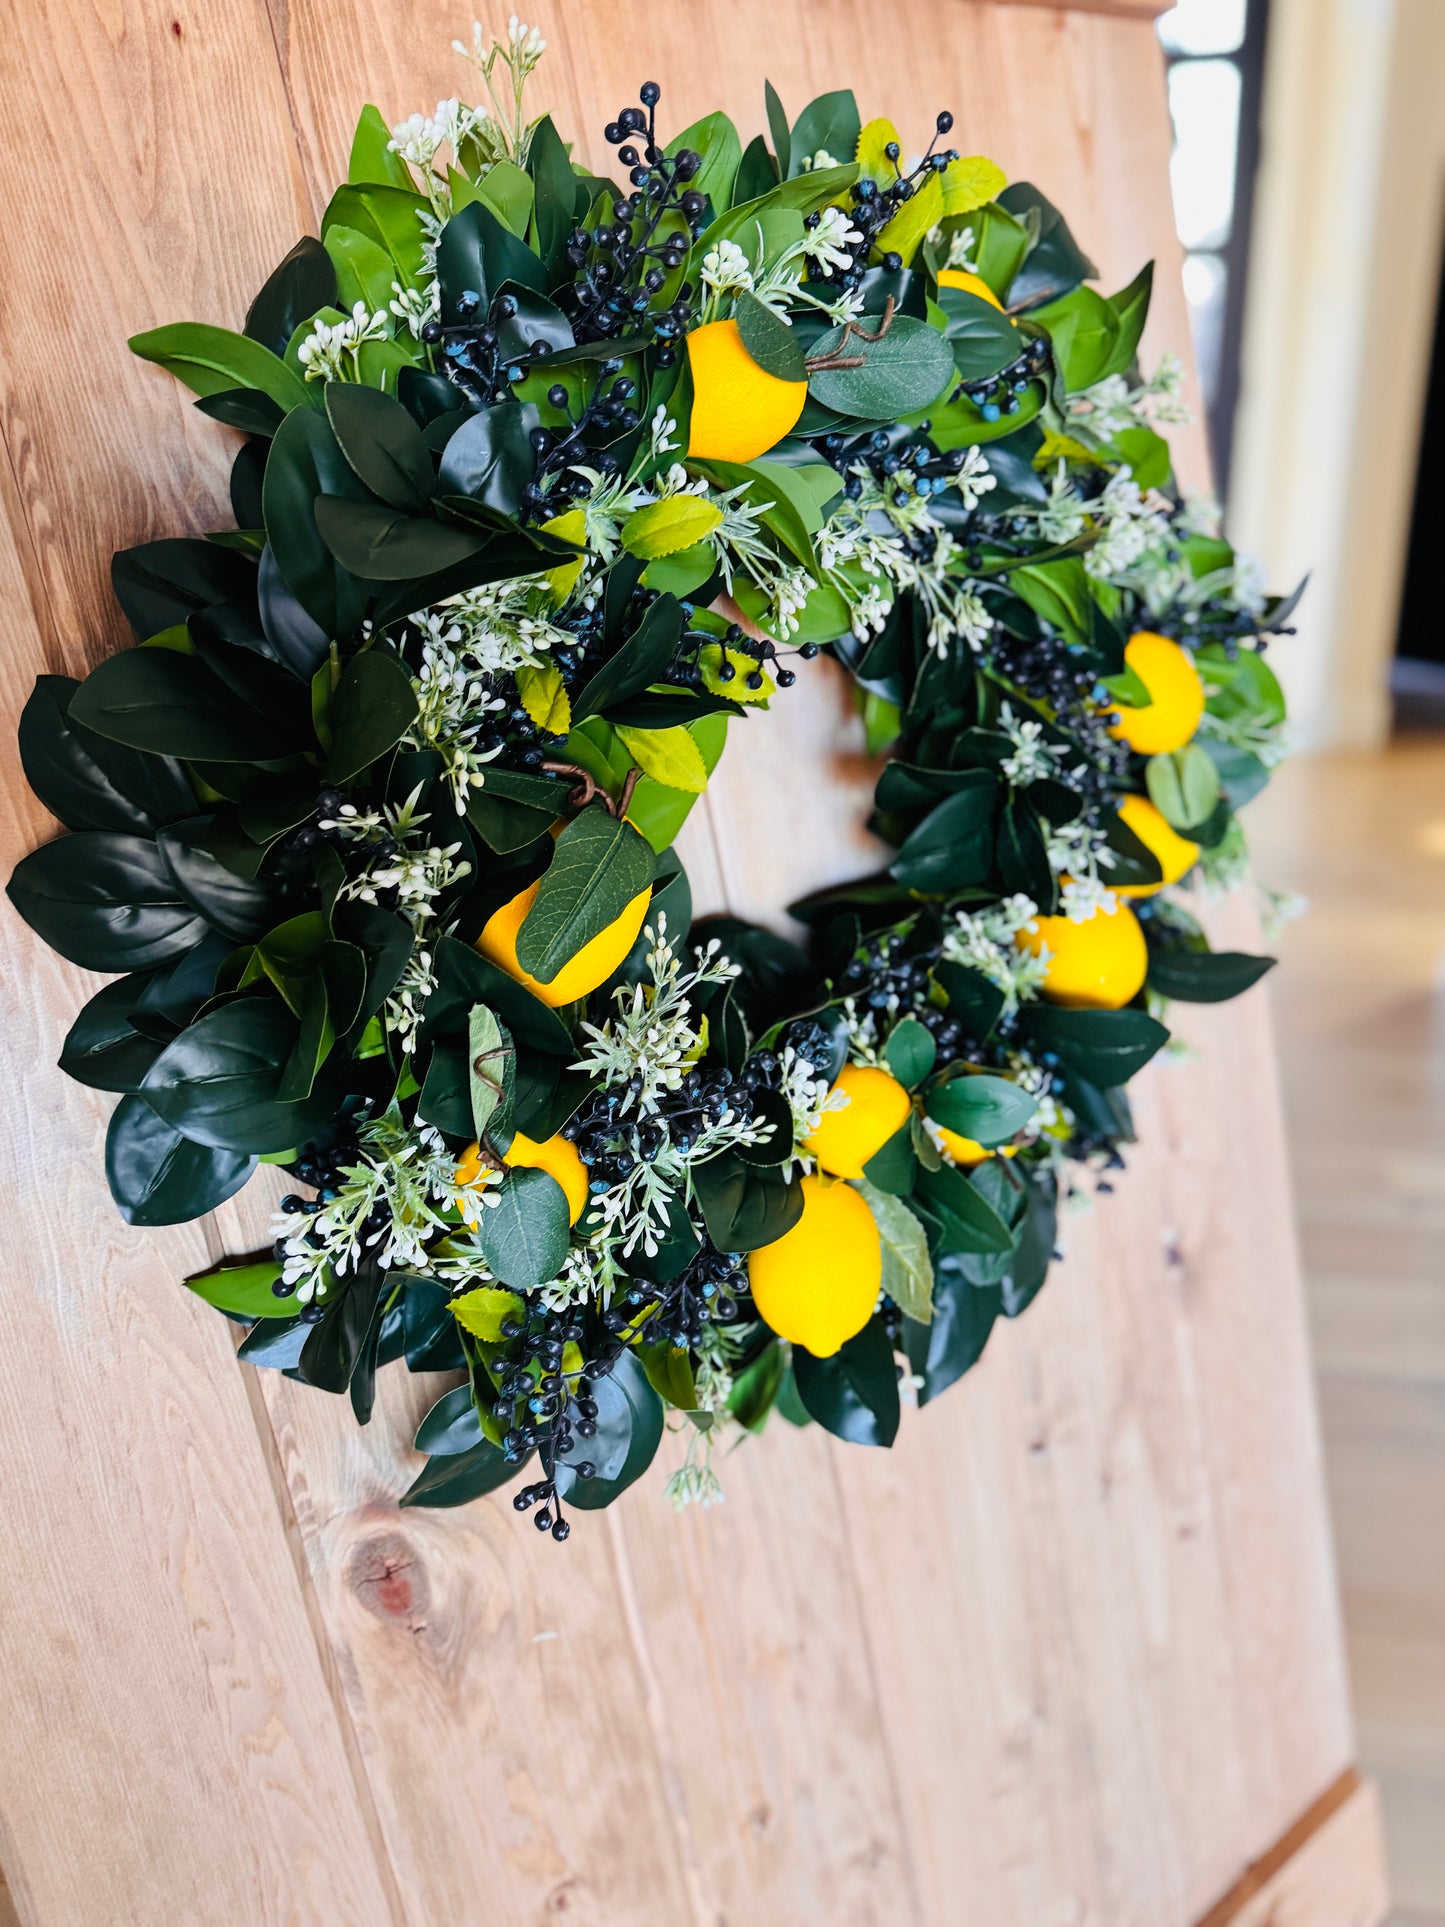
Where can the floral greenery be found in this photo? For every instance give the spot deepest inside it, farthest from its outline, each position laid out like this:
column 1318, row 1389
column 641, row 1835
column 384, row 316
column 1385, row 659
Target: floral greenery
column 477, row 588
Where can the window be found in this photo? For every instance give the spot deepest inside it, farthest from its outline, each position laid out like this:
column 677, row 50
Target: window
column 1215, row 50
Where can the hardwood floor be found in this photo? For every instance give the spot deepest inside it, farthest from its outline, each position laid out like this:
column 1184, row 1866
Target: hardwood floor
column 1360, row 1005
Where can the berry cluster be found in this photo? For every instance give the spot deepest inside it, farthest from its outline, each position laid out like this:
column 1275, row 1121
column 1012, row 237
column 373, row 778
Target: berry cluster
column 1002, row 394
column 873, row 207
column 622, row 266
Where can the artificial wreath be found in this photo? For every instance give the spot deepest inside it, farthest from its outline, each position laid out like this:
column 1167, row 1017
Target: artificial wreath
column 546, row 481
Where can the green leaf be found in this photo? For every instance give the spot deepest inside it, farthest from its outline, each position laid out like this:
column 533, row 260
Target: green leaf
column 1085, row 335
column 910, row 1052
column 716, row 139
column 508, row 192
column 669, row 756
column 641, row 660
column 383, row 445
column 219, row 1081
column 157, row 1176
column 970, row 182
column 969, row 1221
column 952, row 847
column 1204, row 976
column 853, row 1394
column 1131, row 311
column 173, row 705
column 598, row 866
column 210, row 360
column 451, row 1425
column 103, row 1049
column 1055, row 262
column 755, row 1388
column 456, row 1478
column 963, row 1316
column 828, row 125
column 377, row 544
column 745, row 1206
column 662, row 528
column 983, row 340
column 907, row 1269
column 243, row 1290
column 1059, row 592
column 554, row 191
column 669, row 1373
column 372, row 708
column 1183, row 786
column 104, row 901
column 1107, row 1047
column 306, row 466
column 629, row 1430
column 990, row 1110
column 372, row 158
column 490, row 458
column 904, row 370
column 492, row 1069
column 303, row 283
column 91, row 783
column 768, row 339
column 524, row 1236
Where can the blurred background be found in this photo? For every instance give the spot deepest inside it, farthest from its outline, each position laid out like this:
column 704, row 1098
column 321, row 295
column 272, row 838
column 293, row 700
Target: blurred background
column 1309, row 192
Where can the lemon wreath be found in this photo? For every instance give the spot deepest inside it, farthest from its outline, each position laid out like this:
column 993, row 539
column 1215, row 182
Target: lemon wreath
column 545, row 481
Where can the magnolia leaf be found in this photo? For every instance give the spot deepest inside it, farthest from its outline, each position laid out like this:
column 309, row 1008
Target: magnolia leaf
column 907, row 1269
column 483, row 1313
column 662, row 528
column 669, row 756
column 544, row 697
column 970, row 181
column 990, row 1110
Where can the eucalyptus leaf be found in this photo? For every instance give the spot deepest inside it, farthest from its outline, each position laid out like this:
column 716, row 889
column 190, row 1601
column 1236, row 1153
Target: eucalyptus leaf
column 524, row 1235
column 907, row 1268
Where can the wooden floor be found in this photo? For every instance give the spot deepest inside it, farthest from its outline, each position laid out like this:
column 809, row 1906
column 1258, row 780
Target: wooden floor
column 1360, row 1006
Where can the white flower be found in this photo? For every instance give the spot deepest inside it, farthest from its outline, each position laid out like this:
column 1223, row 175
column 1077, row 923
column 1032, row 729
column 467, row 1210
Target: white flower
column 725, row 270
column 974, row 480
column 808, row 1097
column 829, row 246
column 1083, row 898
column 415, row 307
column 960, row 251
column 984, row 940
column 323, row 353
column 1031, row 757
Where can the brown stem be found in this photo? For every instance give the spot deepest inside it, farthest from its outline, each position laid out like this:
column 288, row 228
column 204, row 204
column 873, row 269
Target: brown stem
column 586, row 788
column 819, row 364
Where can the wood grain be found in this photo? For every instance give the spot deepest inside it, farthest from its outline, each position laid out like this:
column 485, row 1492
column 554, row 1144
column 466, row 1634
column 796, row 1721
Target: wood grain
column 1071, row 1654
column 1326, row 1872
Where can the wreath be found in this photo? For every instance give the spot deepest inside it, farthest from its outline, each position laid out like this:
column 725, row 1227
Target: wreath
column 545, row 482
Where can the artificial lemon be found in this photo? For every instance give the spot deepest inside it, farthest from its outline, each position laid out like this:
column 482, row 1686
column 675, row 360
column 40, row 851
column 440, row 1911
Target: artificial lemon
column 1096, row 965
column 817, row 1284
column 556, row 1156
column 845, row 1140
column 593, row 964
column 739, row 410
column 1176, row 696
column 1176, row 853
column 970, row 283
column 968, row 1150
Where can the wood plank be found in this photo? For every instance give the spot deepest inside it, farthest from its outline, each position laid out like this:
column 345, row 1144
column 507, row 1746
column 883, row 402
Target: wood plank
column 1327, row 1871
column 173, row 1750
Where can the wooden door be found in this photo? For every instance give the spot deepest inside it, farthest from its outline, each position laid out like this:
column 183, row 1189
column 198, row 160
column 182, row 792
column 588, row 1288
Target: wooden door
column 1070, row 1654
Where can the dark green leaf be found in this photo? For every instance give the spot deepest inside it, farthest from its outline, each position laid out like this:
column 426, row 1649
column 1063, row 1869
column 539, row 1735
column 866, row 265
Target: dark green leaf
column 304, row 282
column 333, row 1351
column 383, row 444
column 1029, row 1266
column 640, row 660
column 963, row 1316
column 828, row 125
column 476, row 254
column 969, row 1222
column 555, row 186
column 1107, row 1047
column 162, row 584
column 464, row 978
column 219, row 1081
column 756, row 1386
column 598, row 866
column 295, row 641
column 744, row 1207
column 305, row 466
column 89, row 782
column 373, row 706
column 853, row 1394
column 458, row 1478
column 105, row 902
column 629, row 1430
column 451, row 1426
column 376, row 544
column 490, row 458
column 953, row 846
column 103, row 1048
column 1055, row 263
column 983, row 340
column 237, row 907
column 1204, row 976
column 156, row 1176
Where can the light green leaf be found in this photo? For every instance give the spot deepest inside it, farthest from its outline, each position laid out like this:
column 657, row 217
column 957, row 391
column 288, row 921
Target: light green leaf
column 662, row 528
column 483, row 1312
column 211, row 360
column 669, row 756
column 1184, row 786
column 711, row 658
column 491, row 1068
column 544, row 697
column 970, row 181
column 244, row 1290
column 907, row 1269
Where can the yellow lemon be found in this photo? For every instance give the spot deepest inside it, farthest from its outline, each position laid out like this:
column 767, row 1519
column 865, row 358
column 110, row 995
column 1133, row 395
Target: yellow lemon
column 818, row 1284
column 1097, row 965
column 968, row 1150
column 1176, row 853
column 877, row 1104
column 1176, row 696
column 557, row 1157
column 970, row 283
column 739, row 411
column 593, row 964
